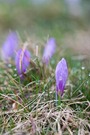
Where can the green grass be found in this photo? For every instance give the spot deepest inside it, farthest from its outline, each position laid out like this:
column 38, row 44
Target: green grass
column 30, row 106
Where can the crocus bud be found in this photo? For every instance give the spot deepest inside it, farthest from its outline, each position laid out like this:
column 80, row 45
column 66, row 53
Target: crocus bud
column 10, row 46
column 22, row 61
column 61, row 75
column 49, row 50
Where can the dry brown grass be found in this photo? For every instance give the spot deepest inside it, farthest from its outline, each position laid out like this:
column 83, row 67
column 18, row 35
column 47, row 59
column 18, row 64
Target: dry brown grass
column 46, row 118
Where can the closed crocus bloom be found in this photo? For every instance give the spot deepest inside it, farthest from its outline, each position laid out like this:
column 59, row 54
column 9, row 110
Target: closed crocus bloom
column 10, row 46
column 61, row 75
column 22, row 61
column 49, row 50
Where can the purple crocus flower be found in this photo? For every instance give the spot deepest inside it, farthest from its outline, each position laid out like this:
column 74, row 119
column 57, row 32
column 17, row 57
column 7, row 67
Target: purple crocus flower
column 9, row 46
column 61, row 75
column 22, row 61
column 49, row 50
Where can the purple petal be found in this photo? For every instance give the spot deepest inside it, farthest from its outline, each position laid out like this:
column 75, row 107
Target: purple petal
column 10, row 46
column 49, row 50
column 61, row 75
column 22, row 61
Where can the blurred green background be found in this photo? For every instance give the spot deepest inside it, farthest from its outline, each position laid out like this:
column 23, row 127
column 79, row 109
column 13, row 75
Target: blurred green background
column 63, row 19
column 38, row 15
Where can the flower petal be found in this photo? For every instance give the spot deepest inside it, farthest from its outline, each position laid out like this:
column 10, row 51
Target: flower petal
column 61, row 75
column 9, row 46
column 49, row 50
column 22, row 61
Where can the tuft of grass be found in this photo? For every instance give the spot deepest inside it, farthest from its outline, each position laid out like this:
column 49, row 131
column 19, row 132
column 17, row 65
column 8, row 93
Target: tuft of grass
column 29, row 107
